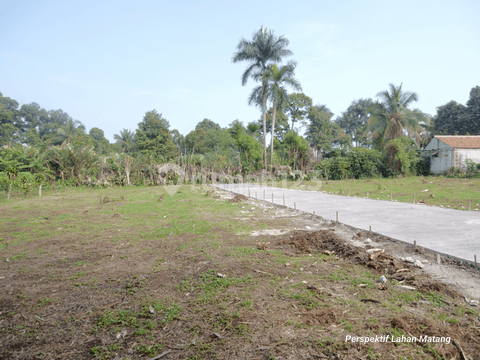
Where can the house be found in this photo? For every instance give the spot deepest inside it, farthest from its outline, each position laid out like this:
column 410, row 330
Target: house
column 446, row 151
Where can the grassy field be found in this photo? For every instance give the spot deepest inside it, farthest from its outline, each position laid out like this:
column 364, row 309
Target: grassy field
column 433, row 191
column 133, row 273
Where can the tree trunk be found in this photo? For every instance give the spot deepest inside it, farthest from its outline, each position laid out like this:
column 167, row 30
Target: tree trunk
column 273, row 131
column 9, row 191
column 264, row 100
column 40, row 190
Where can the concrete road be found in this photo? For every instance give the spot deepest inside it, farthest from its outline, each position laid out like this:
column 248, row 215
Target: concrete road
column 451, row 232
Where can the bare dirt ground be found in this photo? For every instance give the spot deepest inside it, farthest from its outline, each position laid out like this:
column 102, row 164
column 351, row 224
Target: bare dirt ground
column 202, row 275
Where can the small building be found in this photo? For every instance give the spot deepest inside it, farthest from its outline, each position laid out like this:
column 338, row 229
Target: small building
column 446, row 151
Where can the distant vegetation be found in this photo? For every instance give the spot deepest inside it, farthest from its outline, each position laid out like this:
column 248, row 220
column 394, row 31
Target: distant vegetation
column 369, row 139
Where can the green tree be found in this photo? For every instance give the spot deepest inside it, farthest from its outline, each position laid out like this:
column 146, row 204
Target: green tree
column 100, row 143
column 10, row 121
column 298, row 107
column 153, row 137
column 297, row 150
column 354, row 120
column 179, row 140
column 282, row 126
column 249, row 149
column 12, row 160
column 405, row 150
column 67, row 132
column 322, row 133
column 49, row 123
column 207, row 124
column 451, row 119
column 391, row 118
column 473, row 110
column 7, row 133
column 38, row 165
column 126, row 139
column 197, row 140
column 278, row 78
column 264, row 48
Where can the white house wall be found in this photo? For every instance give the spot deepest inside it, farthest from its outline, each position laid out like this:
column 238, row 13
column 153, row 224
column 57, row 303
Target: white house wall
column 460, row 155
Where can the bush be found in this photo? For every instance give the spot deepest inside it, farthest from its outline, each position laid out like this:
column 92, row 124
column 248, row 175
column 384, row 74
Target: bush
column 472, row 169
column 358, row 163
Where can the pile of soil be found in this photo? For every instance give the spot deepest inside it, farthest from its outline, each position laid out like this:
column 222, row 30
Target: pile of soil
column 308, row 242
column 239, row 198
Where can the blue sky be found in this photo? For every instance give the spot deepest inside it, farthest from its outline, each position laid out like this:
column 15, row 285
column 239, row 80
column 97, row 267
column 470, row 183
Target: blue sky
column 106, row 63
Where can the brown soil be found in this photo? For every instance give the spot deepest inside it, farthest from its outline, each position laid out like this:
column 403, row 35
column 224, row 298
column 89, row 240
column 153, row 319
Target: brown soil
column 239, row 198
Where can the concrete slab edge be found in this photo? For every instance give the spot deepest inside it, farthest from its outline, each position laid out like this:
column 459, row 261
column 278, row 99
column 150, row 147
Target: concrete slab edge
column 435, row 252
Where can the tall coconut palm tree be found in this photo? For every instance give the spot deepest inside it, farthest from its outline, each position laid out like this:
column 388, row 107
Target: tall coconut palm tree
column 264, row 48
column 391, row 117
column 125, row 139
column 276, row 80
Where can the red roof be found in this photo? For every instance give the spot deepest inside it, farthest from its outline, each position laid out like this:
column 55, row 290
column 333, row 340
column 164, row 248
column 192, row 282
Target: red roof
column 461, row 142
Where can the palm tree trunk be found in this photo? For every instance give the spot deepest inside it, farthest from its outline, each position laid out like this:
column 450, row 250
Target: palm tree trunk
column 273, row 130
column 264, row 100
column 40, row 189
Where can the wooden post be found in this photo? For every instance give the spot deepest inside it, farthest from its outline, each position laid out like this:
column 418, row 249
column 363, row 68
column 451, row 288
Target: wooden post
column 415, row 244
column 391, row 198
column 370, row 228
column 469, row 210
column 283, row 199
column 475, row 261
column 438, row 259
column 263, row 194
column 414, row 198
column 336, row 216
column 272, row 197
column 256, row 197
column 248, row 192
column 367, row 194
column 313, row 212
column 295, row 205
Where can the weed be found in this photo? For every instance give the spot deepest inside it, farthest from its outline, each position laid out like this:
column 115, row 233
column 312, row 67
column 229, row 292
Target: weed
column 104, row 352
column 149, row 350
column 247, row 303
column 46, row 301
column 76, row 276
column 80, row 263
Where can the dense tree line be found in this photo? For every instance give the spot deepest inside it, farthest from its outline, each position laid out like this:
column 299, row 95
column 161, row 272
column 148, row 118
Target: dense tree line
column 370, row 138
column 456, row 119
